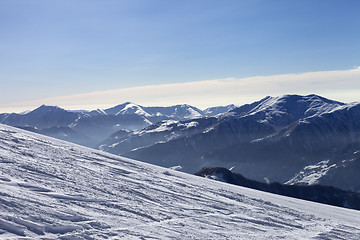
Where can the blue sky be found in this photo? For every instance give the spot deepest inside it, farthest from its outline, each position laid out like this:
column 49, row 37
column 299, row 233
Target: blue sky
column 62, row 48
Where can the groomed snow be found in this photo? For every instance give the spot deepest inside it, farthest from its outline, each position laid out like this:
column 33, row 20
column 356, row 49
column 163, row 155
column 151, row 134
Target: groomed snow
column 51, row 189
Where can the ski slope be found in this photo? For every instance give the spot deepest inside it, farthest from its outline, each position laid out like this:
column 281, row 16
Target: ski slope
column 50, row 189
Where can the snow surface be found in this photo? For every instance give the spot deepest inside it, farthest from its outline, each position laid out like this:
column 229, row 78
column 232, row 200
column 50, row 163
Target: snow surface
column 52, row 189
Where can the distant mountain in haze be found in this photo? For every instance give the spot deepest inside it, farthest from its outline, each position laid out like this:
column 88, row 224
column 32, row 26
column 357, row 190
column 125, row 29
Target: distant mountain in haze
column 89, row 128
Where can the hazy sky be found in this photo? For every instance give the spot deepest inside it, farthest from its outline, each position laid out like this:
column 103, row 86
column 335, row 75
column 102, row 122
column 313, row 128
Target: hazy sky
column 159, row 52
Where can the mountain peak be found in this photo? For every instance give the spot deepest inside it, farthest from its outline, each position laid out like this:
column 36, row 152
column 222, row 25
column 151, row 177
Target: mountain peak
column 46, row 108
column 296, row 97
column 115, row 110
column 131, row 108
column 291, row 105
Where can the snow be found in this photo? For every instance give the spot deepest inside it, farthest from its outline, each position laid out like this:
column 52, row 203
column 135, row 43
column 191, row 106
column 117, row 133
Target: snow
column 208, row 129
column 212, row 111
column 177, row 168
column 218, row 177
column 25, row 112
column 342, row 107
column 188, row 125
column 148, row 122
column 315, row 105
column 311, row 173
column 101, row 111
column 131, row 108
column 192, row 113
column 51, row 189
column 164, row 126
column 168, row 125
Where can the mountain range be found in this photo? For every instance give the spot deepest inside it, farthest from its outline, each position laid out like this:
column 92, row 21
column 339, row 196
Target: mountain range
column 292, row 139
column 288, row 139
column 89, row 128
column 52, row 189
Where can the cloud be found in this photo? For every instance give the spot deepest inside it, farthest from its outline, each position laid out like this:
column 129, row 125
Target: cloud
column 341, row 85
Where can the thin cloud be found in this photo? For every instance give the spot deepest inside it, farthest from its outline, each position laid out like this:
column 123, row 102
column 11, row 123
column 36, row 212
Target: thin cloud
column 339, row 85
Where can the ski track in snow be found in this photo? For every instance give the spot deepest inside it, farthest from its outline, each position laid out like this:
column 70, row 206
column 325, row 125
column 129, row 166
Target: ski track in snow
column 50, row 189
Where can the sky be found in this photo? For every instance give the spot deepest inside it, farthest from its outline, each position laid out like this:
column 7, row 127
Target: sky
column 88, row 54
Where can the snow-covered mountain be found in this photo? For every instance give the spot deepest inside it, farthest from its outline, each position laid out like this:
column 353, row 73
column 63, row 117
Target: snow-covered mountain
column 52, row 189
column 213, row 111
column 41, row 117
column 161, row 132
column 294, row 139
column 177, row 112
column 89, row 128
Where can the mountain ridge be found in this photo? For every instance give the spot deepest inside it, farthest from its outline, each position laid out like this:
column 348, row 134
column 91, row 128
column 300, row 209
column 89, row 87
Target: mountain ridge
column 291, row 139
column 275, row 138
column 96, row 125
